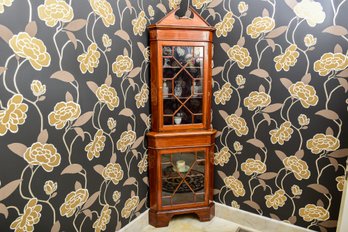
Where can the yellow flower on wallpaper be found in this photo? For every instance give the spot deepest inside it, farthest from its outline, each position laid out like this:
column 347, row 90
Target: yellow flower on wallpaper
column 296, row 190
column 113, row 172
column 64, row 112
column 107, row 42
column 240, row 80
column 312, row 212
column 257, row 99
column 222, row 157
column 38, row 88
column 297, row 166
column 311, row 11
column 287, row 59
column 330, row 62
column 225, row 26
column 31, row 216
column 340, row 182
column 73, row 201
column 238, row 124
column 303, row 120
column 276, row 200
column 103, row 219
column 107, row 95
column 44, row 155
column 240, row 55
column 260, row 25
column 139, row 24
column 129, row 206
column 310, row 40
column 282, row 134
column 235, row 204
column 54, row 11
column 104, row 10
column 122, row 65
column 30, row 48
column 305, row 93
column 50, row 187
column 235, row 185
column 116, row 196
column 251, row 166
column 200, row 3
column 146, row 54
column 174, row 3
column 97, row 145
column 224, row 94
column 111, row 123
column 142, row 97
column 142, row 165
column 237, row 146
column 5, row 3
column 322, row 142
column 151, row 11
column 127, row 139
column 13, row 115
column 89, row 60
column 242, row 7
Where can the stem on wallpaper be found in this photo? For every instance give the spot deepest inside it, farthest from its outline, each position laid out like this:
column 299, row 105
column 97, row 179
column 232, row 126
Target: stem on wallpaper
column 30, row 180
column 81, row 225
column 98, row 119
column 105, row 190
column 224, row 197
column 330, row 95
column 30, row 11
column 16, row 73
column 238, row 94
column 257, row 127
column 15, row 208
column 333, row 75
column 300, row 135
column 74, row 221
column 339, row 124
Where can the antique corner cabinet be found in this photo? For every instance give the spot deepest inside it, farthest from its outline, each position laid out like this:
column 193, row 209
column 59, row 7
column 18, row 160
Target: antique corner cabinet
column 181, row 142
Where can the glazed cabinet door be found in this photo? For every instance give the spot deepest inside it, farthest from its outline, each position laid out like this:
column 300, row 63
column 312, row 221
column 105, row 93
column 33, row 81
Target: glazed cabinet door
column 183, row 77
column 183, row 178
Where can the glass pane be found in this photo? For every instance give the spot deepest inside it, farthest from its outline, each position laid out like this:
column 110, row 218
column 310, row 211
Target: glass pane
column 183, row 178
column 182, row 84
column 195, row 105
column 183, row 54
column 167, row 51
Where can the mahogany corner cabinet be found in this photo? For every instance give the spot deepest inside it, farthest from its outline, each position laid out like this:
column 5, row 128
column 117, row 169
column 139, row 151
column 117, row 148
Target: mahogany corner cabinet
column 181, row 141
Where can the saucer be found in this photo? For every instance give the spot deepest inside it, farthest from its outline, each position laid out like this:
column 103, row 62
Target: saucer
column 185, row 170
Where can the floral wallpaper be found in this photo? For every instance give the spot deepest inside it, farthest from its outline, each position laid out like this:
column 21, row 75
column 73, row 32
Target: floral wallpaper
column 74, row 110
column 280, row 92
column 73, row 113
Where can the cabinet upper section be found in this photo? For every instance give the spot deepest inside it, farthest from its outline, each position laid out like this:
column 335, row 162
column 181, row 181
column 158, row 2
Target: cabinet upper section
column 181, row 54
column 173, row 28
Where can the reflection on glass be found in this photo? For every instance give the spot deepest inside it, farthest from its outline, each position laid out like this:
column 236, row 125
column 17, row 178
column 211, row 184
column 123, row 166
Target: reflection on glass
column 183, row 177
column 183, row 83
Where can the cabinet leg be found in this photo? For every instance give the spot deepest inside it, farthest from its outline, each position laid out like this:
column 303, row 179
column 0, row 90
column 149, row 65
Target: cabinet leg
column 158, row 219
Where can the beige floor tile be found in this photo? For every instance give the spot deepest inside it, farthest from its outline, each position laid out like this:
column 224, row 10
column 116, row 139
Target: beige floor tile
column 192, row 224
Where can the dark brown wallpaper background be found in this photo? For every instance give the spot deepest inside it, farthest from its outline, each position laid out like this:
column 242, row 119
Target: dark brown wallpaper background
column 73, row 113
column 74, row 110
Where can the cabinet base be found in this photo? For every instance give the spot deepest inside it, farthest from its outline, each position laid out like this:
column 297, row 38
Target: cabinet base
column 162, row 218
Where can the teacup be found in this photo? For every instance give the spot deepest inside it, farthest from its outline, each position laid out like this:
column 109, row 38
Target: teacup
column 177, row 120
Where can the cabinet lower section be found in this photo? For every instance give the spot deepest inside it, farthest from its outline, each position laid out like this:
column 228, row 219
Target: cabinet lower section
column 181, row 175
column 162, row 218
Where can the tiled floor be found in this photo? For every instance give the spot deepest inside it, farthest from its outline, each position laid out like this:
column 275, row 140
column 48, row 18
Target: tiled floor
column 192, row 224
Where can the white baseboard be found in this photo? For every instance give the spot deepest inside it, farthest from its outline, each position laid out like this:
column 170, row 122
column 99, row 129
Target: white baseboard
column 138, row 224
column 254, row 221
column 243, row 218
